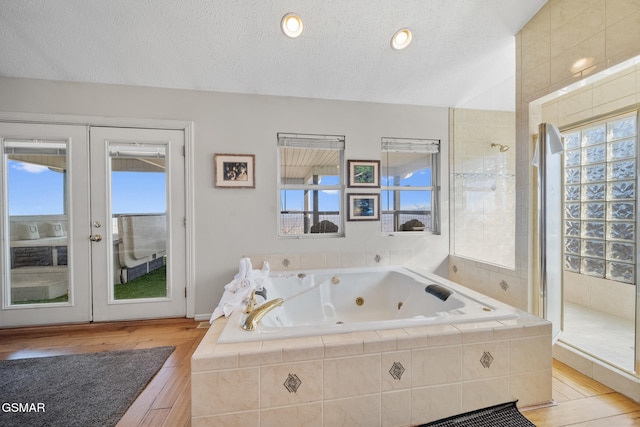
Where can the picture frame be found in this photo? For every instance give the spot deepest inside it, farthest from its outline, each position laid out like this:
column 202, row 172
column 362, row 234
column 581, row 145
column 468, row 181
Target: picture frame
column 234, row 170
column 363, row 207
column 363, row 173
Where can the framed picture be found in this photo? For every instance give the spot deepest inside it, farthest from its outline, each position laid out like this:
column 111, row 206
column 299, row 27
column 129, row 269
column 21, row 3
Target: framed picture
column 234, row 170
column 363, row 207
column 364, row 173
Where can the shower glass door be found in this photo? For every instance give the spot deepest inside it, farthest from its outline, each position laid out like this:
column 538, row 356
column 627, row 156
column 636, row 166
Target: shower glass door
column 600, row 235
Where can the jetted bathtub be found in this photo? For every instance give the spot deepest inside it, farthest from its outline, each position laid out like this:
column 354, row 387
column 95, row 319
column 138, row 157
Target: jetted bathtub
column 324, row 302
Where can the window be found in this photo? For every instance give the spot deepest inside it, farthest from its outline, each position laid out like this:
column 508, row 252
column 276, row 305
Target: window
column 310, row 185
column 600, row 199
column 409, row 185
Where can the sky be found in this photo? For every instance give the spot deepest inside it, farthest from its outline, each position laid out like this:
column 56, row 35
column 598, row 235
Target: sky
column 36, row 190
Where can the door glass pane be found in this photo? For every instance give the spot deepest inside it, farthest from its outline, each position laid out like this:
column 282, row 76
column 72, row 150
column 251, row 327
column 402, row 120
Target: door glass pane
column 139, row 220
column 35, row 173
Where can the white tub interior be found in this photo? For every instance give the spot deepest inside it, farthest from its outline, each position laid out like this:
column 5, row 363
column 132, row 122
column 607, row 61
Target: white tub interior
column 321, row 302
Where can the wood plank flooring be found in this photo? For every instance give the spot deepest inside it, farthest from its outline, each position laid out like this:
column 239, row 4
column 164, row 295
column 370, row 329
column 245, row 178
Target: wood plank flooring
column 167, row 399
column 582, row 401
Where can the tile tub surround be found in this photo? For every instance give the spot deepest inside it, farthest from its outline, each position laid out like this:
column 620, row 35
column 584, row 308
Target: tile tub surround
column 397, row 377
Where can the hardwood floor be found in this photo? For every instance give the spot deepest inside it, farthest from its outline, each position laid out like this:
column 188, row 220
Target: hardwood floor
column 582, row 401
column 167, row 399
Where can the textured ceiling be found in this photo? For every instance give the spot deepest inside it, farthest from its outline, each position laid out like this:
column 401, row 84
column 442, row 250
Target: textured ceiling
column 462, row 54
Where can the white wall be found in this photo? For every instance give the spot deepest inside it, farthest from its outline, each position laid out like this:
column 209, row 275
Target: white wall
column 232, row 223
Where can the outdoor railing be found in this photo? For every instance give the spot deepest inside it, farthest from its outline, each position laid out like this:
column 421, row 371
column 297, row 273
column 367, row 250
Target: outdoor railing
column 296, row 223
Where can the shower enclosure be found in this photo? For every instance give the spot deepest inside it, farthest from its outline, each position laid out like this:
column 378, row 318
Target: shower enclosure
column 587, row 222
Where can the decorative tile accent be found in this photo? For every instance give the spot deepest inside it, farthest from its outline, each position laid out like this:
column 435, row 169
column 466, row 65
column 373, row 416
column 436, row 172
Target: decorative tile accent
column 396, row 370
column 454, row 268
column 377, row 258
column 292, row 383
column 286, row 262
column 486, row 360
column 504, row 285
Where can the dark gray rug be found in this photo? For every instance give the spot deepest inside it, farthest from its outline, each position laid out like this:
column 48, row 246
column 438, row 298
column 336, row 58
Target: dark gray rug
column 502, row 415
column 93, row 389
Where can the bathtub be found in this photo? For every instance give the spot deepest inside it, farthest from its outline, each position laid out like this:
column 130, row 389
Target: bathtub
column 342, row 350
column 325, row 302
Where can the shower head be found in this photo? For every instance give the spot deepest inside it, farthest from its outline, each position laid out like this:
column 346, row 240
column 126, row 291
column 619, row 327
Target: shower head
column 502, row 148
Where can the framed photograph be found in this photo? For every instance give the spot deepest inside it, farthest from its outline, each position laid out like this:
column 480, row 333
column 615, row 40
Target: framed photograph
column 234, row 170
column 363, row 207
column 364, row 173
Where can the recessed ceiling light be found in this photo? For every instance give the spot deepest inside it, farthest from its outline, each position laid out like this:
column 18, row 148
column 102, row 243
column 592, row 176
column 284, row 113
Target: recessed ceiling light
column 401, row 39
column 291, row 25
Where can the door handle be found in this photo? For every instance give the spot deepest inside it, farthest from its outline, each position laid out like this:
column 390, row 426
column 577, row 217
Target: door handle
column 95, row 238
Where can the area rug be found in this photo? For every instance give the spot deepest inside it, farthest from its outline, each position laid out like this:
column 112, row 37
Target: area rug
column 505, row 414
column 93, row 389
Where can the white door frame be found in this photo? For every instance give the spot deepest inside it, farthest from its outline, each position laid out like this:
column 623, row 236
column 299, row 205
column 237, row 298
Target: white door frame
column 124, row 122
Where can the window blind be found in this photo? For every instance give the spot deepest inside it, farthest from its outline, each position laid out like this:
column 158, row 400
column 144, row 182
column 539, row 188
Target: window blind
column 411, row 145
column 328, row 142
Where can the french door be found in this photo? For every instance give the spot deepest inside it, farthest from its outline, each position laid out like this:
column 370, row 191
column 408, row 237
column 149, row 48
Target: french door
column 92, row 224
column 137, row 223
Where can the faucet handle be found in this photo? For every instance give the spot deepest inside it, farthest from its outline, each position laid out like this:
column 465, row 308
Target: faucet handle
column 251, row 303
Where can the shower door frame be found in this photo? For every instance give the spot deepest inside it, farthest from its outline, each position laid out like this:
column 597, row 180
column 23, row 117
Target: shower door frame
column 545, row 244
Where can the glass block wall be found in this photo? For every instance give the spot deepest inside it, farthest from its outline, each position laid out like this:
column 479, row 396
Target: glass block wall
column 600, row 199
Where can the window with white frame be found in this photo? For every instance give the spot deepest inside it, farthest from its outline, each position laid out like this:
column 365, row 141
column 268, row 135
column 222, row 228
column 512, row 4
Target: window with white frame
column 409, row 185
column 310, row 185
column 600, row 198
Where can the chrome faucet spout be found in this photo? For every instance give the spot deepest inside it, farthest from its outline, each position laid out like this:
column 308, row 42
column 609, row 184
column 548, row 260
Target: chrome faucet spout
column 252, row 321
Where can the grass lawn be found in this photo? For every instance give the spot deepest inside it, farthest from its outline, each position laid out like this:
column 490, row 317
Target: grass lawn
column 151, row 285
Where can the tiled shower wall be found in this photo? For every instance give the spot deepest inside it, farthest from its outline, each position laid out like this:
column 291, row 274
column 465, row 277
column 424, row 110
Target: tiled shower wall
column 484, row 209
column 484, row 184
column 597, row 33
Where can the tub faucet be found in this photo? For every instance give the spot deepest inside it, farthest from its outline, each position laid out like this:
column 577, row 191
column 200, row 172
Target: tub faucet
column 251, row 302
column 251, row 321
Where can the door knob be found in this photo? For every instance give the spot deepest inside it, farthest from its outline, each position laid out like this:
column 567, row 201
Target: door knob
column 95, row 238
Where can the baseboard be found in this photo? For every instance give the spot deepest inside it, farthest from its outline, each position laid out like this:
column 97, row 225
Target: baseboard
column 202, row 317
